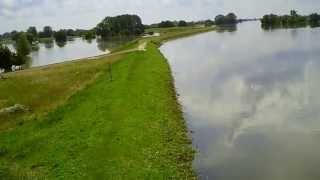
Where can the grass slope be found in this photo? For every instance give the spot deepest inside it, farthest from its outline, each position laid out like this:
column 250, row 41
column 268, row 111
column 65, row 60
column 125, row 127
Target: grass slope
column 45, row 88
column 128, row 128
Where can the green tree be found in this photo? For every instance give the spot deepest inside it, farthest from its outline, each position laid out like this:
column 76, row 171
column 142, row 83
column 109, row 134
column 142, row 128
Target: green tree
column 166, row 24
column 46, row 33
column 14, row 35
column 32, row 30
column 120, row 25
column 294, row 13
column 182, row 23
column 60, row 36
column 6, row 58
column 231, row 18
column 314, row 19
column 219, row 19
column 70, row 32
column 89, row 35
column 208, row 23
column 23, row 46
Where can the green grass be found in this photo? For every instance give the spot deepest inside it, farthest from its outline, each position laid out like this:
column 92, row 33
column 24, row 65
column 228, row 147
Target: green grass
column 85, row 126
column 43, row 89
column 128, row 128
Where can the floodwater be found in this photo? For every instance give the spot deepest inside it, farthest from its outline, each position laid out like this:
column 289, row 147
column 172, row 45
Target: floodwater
column 251, row 99
column 76, row 48
column 52, row 52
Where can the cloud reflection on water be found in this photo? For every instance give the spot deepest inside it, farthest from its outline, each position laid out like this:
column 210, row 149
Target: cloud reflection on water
column 251, row 99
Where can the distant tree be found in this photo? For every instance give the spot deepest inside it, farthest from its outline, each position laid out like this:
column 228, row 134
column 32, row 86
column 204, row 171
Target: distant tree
column 182, row 23
column 71, row 32
column 6, row 35
column 314, row 18
column 46, row 33
column 23, row 46
column 208, row 23
column 126, row 25
column 14, row 35
column 79, row 32
column 219, row 19
column 166, row 24
column 286, row 21
column 293, row 13
column 61, row 35
column 231, row 18
column 32, row 30
column 89, row 35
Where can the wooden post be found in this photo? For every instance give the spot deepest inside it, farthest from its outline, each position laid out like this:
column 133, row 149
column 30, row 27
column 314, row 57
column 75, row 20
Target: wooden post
column 110, row 71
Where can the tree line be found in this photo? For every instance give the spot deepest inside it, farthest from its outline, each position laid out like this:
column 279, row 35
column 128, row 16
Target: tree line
column 26, row 41
column 230, row 18
column 291, row 20
column 123, row 25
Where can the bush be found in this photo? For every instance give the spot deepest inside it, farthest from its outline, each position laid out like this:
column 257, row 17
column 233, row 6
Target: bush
column 23, row 46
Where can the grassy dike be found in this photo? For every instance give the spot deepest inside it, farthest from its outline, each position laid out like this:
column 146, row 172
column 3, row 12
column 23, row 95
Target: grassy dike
column 130, row 127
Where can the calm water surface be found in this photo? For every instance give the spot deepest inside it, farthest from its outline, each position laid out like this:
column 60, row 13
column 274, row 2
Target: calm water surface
column 252, row 100
column 76, row 48
column 51, row 53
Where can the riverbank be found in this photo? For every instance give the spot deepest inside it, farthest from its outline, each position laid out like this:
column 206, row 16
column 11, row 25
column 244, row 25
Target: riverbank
column 116, row 117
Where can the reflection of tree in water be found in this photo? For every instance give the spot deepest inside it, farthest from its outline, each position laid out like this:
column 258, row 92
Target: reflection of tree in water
column 227, row 28
column 61, row 43
column 88, row 41
column 272, row 27
column 111, row 43
column 49, row 44
column 315, row 25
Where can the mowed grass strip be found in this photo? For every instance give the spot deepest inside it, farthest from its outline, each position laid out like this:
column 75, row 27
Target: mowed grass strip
column 127, row 128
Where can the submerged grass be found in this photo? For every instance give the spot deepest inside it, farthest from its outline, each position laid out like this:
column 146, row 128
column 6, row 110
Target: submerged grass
column 129, row 126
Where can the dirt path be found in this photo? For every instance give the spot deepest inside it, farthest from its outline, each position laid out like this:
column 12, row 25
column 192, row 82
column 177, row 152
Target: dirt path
column 142, row 47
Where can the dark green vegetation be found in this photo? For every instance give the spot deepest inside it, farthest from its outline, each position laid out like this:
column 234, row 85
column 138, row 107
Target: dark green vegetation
column 9, row 59
column 89, row 35
column 116, row 117
column 230, row 18
column 290, row 21
column 123, row 25
column 166, row 24
column 60, row 36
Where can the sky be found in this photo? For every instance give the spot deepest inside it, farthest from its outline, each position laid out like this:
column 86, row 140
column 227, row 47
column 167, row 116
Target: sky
column 20, row 14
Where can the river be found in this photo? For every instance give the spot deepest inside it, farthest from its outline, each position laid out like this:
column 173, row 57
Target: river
column 251, row 101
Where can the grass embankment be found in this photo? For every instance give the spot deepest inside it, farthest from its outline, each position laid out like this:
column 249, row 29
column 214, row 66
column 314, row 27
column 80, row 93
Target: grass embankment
column 127, row 128
column 45, row 88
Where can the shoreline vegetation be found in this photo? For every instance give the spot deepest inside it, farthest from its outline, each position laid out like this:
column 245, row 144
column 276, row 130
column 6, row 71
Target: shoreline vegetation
column 116, row 116
column 293, row 20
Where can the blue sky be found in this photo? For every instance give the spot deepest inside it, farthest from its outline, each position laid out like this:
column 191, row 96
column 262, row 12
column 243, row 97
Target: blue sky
column 19, row 14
